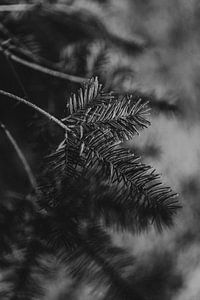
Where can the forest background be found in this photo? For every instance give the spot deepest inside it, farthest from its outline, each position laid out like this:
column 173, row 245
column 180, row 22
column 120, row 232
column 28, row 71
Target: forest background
column 149, row 47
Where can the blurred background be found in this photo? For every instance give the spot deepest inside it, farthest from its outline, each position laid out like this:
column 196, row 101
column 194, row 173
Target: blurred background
column 146, row 47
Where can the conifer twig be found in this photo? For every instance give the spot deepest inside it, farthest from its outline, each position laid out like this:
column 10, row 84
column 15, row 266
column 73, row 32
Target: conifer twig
column 21, row 156
column 42, row 69
column 35, row 107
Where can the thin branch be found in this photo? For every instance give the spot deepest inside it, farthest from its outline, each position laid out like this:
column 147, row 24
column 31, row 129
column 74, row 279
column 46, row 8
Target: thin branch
column 21, row 156
column 19, row 47
column 35, row 107
column 16, row 47
column 42, row 69
column 15, row 7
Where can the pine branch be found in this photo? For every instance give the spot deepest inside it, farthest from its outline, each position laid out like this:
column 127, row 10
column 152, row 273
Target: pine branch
column 113, row 207
column 92, row 108
column 36, row 108
column 66, row 159
column 84, row 97
column 123, row 167
column 138, row 199
column 114, row 190
column 99, row 122
column 123, row 116
column 21, row 157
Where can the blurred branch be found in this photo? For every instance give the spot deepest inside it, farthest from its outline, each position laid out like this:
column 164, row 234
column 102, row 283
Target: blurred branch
column 89, row 20
column 15, row 44
column 92, row 22
column 35, row 107
column 42, row 69
column 15, row 7
column 21, row 157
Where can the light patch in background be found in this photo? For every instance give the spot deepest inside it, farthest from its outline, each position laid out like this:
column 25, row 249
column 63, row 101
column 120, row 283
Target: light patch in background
column 179, row 146
column 189, row 263
column 179, row 163
column 169, row 66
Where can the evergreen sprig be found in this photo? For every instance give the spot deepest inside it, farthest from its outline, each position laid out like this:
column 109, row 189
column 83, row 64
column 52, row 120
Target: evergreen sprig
column 99, row 123
column 90, row 184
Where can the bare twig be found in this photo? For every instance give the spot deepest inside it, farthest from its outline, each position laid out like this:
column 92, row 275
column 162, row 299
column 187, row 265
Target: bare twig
column 35, row 107
column 42, row 69
column 21, row 157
